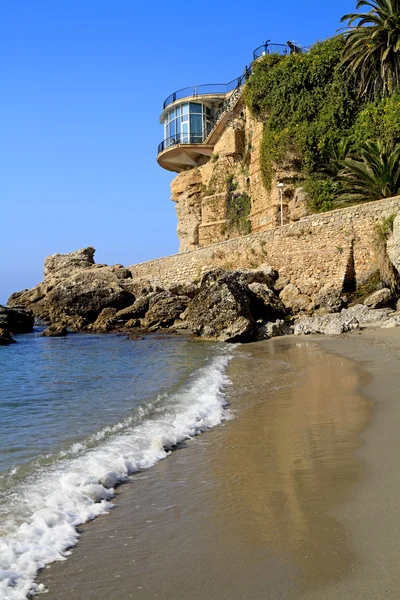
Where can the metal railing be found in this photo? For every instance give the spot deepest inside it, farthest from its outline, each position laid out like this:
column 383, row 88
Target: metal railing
column 282, row 49
column 181, row 138
column 208, row 89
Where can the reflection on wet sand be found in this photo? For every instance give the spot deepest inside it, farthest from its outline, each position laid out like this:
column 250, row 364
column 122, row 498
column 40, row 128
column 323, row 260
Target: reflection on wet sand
column 293, row 458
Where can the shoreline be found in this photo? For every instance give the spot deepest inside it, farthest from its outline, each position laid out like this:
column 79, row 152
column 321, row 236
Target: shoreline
column 332, row 554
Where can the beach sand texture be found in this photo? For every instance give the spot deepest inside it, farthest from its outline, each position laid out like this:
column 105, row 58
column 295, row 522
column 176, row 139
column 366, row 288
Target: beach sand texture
column 296, row 497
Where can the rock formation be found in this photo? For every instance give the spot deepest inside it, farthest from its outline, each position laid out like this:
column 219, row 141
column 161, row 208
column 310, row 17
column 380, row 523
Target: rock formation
column 231, row 305
column 14, row 320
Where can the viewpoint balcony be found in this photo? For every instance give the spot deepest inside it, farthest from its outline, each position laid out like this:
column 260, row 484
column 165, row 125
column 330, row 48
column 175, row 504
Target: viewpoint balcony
column 194, row 117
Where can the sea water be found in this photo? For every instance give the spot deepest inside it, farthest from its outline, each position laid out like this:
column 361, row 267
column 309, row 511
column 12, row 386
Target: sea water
column 79, row 415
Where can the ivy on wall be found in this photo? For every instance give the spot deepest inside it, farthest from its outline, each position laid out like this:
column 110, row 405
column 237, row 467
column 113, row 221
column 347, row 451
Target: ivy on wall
column 237, row 207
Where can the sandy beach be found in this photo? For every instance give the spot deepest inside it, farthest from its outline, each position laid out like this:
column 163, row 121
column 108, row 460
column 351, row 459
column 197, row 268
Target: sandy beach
column 295, row 497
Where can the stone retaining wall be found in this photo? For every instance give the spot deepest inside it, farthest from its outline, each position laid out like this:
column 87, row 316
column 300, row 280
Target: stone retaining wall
column 323, row 250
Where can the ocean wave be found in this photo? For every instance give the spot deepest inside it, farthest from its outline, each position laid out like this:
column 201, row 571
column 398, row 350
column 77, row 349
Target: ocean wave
column 47, row 507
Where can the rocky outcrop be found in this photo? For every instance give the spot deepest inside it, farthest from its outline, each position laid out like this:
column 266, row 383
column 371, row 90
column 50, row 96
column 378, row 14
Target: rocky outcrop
column 63, row 265
column 230, row 304
column 56, row 330
column 225, row 305
column 164, row 309
column 379, row 299
column 294, row 300
column 105, row 322
column 331, row 324
column 5, row 337
column 353, row 318
column 75, row 290
column 16, row 320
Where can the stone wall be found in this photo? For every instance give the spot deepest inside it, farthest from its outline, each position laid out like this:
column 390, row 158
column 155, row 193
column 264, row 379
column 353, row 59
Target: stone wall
column 320, row 251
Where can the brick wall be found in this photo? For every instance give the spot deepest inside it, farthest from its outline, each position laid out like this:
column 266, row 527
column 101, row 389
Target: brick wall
column 315, row 252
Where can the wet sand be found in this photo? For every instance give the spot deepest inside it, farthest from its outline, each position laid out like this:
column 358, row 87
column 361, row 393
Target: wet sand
column 296, row 497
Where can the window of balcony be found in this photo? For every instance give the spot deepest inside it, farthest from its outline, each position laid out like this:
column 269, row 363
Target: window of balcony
column 187, row 123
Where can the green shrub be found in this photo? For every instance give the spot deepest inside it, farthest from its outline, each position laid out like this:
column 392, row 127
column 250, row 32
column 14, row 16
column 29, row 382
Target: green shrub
column 379, row 120
column 321, row 193
column 238, row 207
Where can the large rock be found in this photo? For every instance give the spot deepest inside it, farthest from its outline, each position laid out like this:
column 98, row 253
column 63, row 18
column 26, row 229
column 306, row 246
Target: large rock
column 329, row 300
column 16, row 320
column 85, row 294
column 379, row 299
column 5, row 338
column 267, row 305
column 331, row 324
column 294, row 300
column 62, row 265
column 393, row 244
column 368, row 317
column 222, row 309
column 164, row 310
column 75, row 290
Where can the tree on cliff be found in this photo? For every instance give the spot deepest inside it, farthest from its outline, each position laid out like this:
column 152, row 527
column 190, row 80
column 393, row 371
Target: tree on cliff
column 373, row 175
column 372, row 50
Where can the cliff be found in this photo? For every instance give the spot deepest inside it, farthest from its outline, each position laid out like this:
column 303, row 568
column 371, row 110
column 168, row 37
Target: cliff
column 225, row 197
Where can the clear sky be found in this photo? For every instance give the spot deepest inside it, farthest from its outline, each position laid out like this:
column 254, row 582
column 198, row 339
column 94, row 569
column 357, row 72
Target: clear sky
column 82, row 86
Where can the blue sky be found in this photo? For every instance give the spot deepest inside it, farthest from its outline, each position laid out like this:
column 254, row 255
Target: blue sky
column 82, row 86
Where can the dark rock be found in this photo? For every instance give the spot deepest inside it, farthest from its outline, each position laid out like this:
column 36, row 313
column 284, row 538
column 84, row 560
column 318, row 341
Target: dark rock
column 137, row 310
column 16, row 319
column 86, row 294
column 56, row 330
column 222, row 309
column 5, row 338
column 266, row 305
column 330, row 301
column 270, row 330
column 106, row 321
column 164, row 309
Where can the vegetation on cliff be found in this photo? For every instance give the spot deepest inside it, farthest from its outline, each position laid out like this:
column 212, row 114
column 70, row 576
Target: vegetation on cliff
column 333, row 107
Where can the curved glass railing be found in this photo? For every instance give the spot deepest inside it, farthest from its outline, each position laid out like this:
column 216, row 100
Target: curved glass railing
column 283, row 49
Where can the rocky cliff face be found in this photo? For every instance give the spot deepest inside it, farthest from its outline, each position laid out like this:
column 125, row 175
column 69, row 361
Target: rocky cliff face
column 225, row 197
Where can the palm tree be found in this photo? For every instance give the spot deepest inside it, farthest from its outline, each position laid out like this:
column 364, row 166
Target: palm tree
column 374, row 176
column 372, row 48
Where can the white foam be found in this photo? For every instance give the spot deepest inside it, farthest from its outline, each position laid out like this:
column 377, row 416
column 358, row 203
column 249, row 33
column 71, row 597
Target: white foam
column 48, row 508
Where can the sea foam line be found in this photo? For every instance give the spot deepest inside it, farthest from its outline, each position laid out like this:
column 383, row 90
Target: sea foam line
column 79, row 489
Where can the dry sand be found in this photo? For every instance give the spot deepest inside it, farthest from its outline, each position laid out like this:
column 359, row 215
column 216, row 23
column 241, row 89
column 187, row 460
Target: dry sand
column 296, row 497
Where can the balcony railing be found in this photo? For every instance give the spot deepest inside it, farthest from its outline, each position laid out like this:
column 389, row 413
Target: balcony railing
column 208, row 89
column 181, row 138
column 283, row 49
